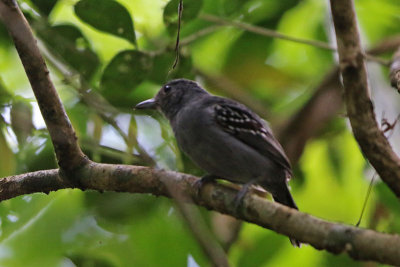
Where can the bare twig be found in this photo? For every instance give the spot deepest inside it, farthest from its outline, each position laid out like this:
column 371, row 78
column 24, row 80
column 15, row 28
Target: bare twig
column 371, row 183
column 358, row 243
column 278, row 35
column 360, row 109
column 388, row 45
column 178, row 34
column 265, row 31
column 69, row 155
column 203, row 32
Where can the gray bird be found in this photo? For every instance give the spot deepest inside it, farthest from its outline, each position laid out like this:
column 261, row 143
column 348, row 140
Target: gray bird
column 225, row 138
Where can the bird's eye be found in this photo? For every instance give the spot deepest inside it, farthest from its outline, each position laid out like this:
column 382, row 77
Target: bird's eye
column 167, row 88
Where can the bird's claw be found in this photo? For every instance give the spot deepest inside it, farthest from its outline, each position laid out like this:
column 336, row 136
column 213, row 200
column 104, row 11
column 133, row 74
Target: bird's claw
column 201, row 182
column 241, row 194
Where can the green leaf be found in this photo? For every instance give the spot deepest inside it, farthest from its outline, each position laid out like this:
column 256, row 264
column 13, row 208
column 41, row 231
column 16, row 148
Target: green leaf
column 45, row 6
column 5, row 96
column 107, row 16
column 125, row 71
column 39, row 243
column 191, row 9
column 71, row 45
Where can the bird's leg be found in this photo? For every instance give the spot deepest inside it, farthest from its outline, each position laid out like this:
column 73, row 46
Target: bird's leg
column 241, row 194
column 208, row 178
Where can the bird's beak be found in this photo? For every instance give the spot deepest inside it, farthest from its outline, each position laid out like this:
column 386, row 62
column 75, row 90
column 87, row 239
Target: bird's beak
column 147, row 104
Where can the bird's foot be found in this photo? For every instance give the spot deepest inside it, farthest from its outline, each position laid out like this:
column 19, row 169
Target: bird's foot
column 241, row 194
column 204, row 180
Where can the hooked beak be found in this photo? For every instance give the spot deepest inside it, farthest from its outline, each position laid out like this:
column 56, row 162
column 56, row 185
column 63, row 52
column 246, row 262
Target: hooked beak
column 147, row 104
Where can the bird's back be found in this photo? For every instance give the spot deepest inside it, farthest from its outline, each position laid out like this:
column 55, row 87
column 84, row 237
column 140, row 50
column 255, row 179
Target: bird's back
column 218, row 152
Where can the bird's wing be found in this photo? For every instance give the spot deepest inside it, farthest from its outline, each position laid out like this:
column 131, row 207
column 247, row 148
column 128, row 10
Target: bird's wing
column 246, row 126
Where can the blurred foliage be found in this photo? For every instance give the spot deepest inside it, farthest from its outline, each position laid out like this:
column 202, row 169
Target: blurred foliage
column 105, row 56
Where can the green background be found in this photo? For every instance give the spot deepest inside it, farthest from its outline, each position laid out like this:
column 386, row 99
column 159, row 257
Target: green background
column 105, row 56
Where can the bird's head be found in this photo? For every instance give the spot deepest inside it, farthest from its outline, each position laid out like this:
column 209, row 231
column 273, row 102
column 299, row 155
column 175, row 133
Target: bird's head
column 173, row 96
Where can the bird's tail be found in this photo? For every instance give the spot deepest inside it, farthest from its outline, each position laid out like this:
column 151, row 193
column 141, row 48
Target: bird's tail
column 284, row 197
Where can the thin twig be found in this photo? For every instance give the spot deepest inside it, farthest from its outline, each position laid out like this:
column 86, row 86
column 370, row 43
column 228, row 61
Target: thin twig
column 265, row 31
column 371, row 183
column 203, row 32
column 278, row 35
column 180, row 10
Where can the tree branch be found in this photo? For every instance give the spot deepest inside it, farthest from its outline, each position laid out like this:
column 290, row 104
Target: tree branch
column 395, row 70
column 69, row 154
column 360, row 109
column 360, row 244
column 324, row 105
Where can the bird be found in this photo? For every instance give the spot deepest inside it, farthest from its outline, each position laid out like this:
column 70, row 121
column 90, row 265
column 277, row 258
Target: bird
column 225, row 138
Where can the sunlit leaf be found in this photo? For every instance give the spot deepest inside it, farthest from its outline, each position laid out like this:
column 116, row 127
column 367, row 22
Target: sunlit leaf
column 5, row 96
column 107, row 16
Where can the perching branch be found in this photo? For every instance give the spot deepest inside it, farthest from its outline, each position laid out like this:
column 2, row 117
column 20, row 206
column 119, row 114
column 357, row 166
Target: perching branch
column 360, row 244
column 360, row 109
